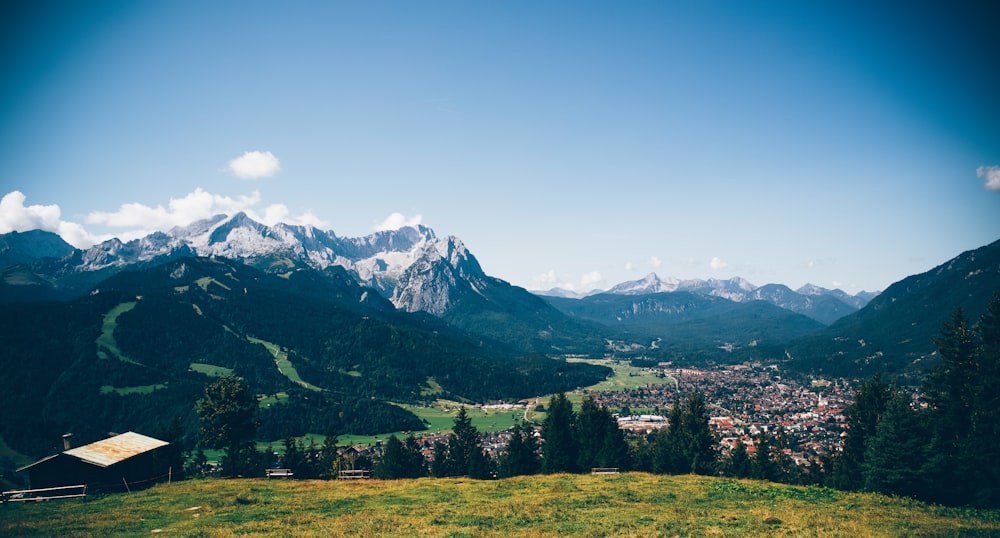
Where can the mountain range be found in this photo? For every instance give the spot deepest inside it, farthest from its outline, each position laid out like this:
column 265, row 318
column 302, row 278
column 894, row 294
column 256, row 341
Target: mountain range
column 324, row 326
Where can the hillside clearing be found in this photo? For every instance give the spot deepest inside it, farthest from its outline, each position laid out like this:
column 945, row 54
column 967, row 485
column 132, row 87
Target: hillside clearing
column 554, row 505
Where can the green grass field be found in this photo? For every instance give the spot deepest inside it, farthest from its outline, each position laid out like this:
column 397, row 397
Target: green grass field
column 284, row 365
column 123, row 391
column 635, row 505
column 440, row 416
column 107, row 346
column 210, row 370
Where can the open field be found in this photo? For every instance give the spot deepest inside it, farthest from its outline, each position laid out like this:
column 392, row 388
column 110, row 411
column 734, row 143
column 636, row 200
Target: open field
column 441, row 415
column 557, row 505
column 210, row 370
column 284, row 365
column 107, row 346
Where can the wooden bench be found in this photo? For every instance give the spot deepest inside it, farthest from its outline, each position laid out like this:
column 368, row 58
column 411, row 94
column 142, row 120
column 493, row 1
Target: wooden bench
column 278, row 473
column 351, row 474
column 44, row 494
column 604, row 470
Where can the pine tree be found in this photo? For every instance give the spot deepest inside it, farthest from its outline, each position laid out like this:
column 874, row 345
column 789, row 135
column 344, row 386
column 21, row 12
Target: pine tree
column 600, row 440
column 898, row 452
column 963, row 397
column 440, row 461
column 326, row 463
column 698, row 440
column 391, row 465
column 762, row 466
column 863, row 416
column 560, row 451
column 462, row 455
column 520, row 457
column 738, row 465
column 294, row 459
column 414, row 464
column 668, row 446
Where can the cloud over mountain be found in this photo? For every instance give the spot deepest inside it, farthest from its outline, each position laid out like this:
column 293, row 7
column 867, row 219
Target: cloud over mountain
column 255, row 165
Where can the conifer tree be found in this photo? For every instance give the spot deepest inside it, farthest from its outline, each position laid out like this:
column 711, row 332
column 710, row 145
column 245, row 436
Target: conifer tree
column 560, row 451
column 400, row 459
column 294, row 459
column 738, row 465
column 898, row 452
column 762, row 467
column 698, row 441
column 668, row 447
column 462, row 453
column 326, row 463
column 863, row 416
column 601, row 443
column 521, row 455
column 962, row 393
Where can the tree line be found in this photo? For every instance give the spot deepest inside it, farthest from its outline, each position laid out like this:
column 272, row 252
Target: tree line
column 942, row 444
column 938, row 444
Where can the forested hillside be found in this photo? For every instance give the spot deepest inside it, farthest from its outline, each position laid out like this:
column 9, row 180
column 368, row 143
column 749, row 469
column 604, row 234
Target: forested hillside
column 323, row 354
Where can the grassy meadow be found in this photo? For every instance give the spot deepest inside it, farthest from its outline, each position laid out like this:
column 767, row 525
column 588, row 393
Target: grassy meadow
column 558, row 505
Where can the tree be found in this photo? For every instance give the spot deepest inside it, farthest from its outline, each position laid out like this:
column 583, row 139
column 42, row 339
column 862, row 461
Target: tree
column 227, row 420
column 521, row 455
column 400, row 459
column 688, row 444
column 898, row 452
column 294, row 458
column 761, row 466
column 390, row 465
column 601, row 443
column 667, row 447
column 326, row 460
column 559, row 453
column 461, row 455
column 699, row 441
column 738, row 465
column 863, row 416
column 963, row 398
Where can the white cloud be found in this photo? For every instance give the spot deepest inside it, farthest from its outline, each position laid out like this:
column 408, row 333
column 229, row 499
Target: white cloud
column 193, row 206
column 992, row 176
column 16, row 217
column 629, row 266
column 717, row 264
column 396, row 221
column 655, row 262
column 545, row 280
column 255, row 165
column 549, row 279
column 135, row 220
column 590, row 280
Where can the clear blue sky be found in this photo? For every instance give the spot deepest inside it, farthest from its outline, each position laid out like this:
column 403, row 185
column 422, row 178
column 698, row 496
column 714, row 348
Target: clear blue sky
column 575, row 143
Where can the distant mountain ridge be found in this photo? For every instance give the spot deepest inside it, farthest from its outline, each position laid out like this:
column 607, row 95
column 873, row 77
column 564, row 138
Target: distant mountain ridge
column 410, row 267
column 821, row 304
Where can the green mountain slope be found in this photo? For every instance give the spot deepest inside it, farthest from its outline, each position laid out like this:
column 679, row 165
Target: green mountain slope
column 141, row 346
column 894, row 332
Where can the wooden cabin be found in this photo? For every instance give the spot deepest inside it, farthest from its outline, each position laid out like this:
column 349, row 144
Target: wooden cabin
column 120, row 463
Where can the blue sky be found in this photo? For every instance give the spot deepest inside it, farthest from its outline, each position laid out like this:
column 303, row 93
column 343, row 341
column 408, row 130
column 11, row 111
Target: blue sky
column 578, row 144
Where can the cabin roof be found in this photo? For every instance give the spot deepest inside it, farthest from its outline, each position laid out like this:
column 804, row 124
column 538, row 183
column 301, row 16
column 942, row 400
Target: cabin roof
column 115, row 449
